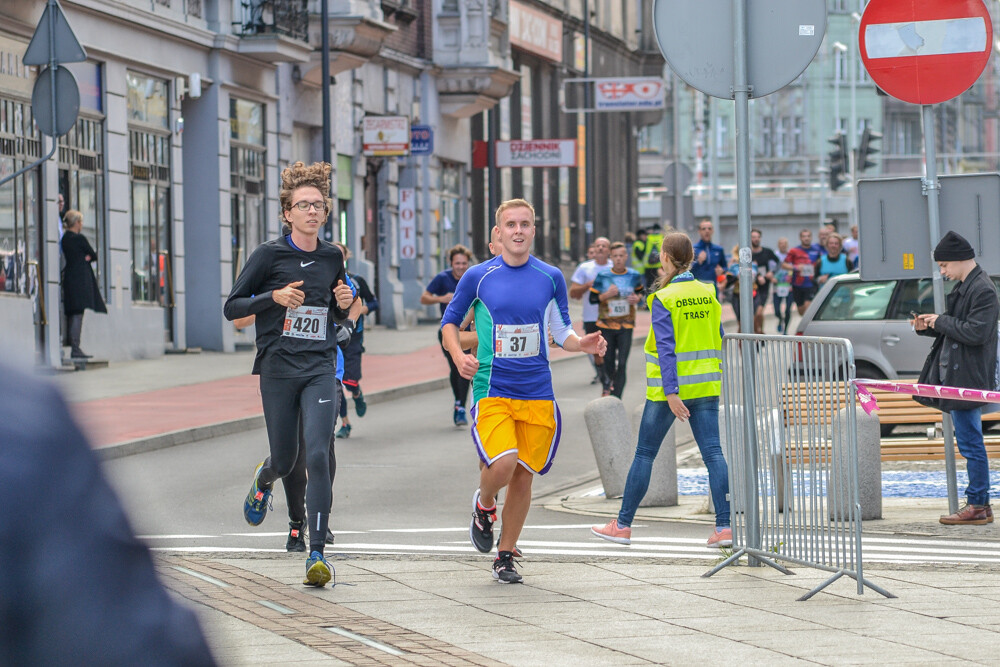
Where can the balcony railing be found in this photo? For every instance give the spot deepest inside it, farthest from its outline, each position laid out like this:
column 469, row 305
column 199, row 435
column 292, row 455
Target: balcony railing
column 273, row 17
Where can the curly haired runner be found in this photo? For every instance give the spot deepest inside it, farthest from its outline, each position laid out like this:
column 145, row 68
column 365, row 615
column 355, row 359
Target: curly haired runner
column 297, row 287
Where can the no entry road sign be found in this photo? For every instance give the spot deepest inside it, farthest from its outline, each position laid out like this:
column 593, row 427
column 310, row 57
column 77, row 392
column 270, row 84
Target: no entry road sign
column 925, row 52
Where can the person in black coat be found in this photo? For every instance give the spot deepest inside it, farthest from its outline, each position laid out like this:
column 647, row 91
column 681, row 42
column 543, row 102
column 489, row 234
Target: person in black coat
column 79, row 285
column 964, row 354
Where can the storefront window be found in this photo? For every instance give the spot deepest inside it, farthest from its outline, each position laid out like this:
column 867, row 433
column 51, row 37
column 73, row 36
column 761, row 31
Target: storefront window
column 149, row 168
column 19, row 206
column 450, row 193
column 81, row 183
column 246, row 175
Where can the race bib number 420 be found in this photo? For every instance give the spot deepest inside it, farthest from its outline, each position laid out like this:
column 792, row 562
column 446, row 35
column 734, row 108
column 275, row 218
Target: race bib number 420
column 514, row 341
column 308, row 322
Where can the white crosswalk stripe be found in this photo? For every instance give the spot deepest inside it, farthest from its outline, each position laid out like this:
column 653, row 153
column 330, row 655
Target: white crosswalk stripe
column 534, row 542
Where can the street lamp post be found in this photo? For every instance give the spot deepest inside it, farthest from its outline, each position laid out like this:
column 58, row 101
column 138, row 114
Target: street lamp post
column 853, row 62
column 841, row 48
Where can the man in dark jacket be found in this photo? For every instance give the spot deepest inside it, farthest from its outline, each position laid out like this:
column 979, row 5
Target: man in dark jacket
column 964, row 354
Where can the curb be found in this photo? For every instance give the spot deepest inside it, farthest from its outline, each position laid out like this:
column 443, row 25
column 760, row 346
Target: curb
column 198, row 433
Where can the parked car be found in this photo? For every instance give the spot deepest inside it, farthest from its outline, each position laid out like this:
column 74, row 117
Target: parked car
column 875, row 316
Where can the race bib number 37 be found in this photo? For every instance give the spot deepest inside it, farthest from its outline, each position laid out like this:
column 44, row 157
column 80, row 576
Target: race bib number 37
column 514, row 341
column 306, row 322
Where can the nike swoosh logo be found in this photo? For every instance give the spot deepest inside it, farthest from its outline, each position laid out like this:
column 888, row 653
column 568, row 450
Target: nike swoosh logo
column 305, row 264
column 326, row 401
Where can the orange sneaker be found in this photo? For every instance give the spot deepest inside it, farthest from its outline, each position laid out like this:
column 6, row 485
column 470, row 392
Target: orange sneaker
column 721, row 538
column 612, row 532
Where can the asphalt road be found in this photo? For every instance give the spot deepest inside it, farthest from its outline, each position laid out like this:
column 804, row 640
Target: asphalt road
column 405, row 480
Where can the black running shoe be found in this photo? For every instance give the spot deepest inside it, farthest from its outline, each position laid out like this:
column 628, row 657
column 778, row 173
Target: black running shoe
column 296, row 536
column 503, row 569
column 481, row 528
column 516, row 550
column 329, row 536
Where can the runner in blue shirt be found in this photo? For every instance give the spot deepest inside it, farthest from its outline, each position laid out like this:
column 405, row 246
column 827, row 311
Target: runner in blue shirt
column 440, row 291
column 518, row 301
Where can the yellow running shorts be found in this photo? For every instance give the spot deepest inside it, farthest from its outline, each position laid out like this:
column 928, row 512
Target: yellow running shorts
column 531, row 429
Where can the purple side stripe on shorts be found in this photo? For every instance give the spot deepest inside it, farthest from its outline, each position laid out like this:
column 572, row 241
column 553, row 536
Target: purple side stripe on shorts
column 555, row 440
column 474, row 413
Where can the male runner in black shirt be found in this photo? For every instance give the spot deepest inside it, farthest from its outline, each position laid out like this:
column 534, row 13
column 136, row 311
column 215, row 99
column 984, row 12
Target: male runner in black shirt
column 297, row 287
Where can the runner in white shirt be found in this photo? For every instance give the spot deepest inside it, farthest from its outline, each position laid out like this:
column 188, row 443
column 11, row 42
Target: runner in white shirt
column 579, row 287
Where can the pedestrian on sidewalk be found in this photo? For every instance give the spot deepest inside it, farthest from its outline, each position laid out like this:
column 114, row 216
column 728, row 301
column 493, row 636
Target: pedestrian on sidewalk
column 616, row 293
column 964, row 354
column 298, row 288
column 79, row 285
column 683, row 381
column 516, row 422
column 440, row 290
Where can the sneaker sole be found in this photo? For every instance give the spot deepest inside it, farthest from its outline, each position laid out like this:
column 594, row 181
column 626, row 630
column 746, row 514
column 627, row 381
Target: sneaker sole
column 318, row 575
column 496, row 575
column 616, row 540
column 720, row 544
column 472, row 527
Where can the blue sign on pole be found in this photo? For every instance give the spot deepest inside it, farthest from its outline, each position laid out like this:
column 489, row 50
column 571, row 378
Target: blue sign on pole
column 421, row 140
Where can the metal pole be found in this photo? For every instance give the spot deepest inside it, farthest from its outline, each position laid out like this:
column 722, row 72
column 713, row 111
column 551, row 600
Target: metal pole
column 853, row 61
column 327, row 138
column 676, row 185
column 741, row 95
column 932, row 187
column 713, row 160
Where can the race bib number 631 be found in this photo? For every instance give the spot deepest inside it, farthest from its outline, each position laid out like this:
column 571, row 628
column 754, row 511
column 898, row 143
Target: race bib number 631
column 513, row 341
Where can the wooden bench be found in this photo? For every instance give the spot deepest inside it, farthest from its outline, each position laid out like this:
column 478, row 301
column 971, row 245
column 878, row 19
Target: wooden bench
column 811, row 401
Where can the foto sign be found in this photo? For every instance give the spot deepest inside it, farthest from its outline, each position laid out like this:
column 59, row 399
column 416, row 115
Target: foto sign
column 925, row 52
column 407, row 223
column 631, row 94
column 536, row 153
column 421, row 140
column 386, row 136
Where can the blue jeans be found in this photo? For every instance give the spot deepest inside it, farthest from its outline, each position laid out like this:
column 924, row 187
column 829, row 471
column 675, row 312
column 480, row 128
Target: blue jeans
column 969, row 435
column 657, row 419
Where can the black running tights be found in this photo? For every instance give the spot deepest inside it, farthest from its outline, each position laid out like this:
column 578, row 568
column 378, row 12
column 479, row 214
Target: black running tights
column 313, row 400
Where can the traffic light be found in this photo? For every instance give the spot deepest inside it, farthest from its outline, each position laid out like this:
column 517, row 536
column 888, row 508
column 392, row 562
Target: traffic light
column 866, row 149
column 838, row 161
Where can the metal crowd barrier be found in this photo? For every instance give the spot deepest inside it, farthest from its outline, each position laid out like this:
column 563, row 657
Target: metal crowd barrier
column 793, row 454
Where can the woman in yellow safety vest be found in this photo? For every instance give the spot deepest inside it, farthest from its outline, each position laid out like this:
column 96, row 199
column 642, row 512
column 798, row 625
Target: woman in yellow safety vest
column 683, row 381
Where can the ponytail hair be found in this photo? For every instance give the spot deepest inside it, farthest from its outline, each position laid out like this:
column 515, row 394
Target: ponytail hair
column 678, row 253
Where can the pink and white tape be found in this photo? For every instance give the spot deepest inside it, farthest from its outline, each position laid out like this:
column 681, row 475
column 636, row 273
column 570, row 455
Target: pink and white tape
column 869, row 404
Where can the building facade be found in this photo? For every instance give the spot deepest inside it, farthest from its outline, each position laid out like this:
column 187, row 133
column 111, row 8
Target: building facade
column 790, row 132
column 190, row 109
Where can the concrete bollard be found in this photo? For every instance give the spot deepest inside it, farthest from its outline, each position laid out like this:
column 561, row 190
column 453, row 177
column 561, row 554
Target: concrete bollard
column 869, row 467
column 614, row 441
